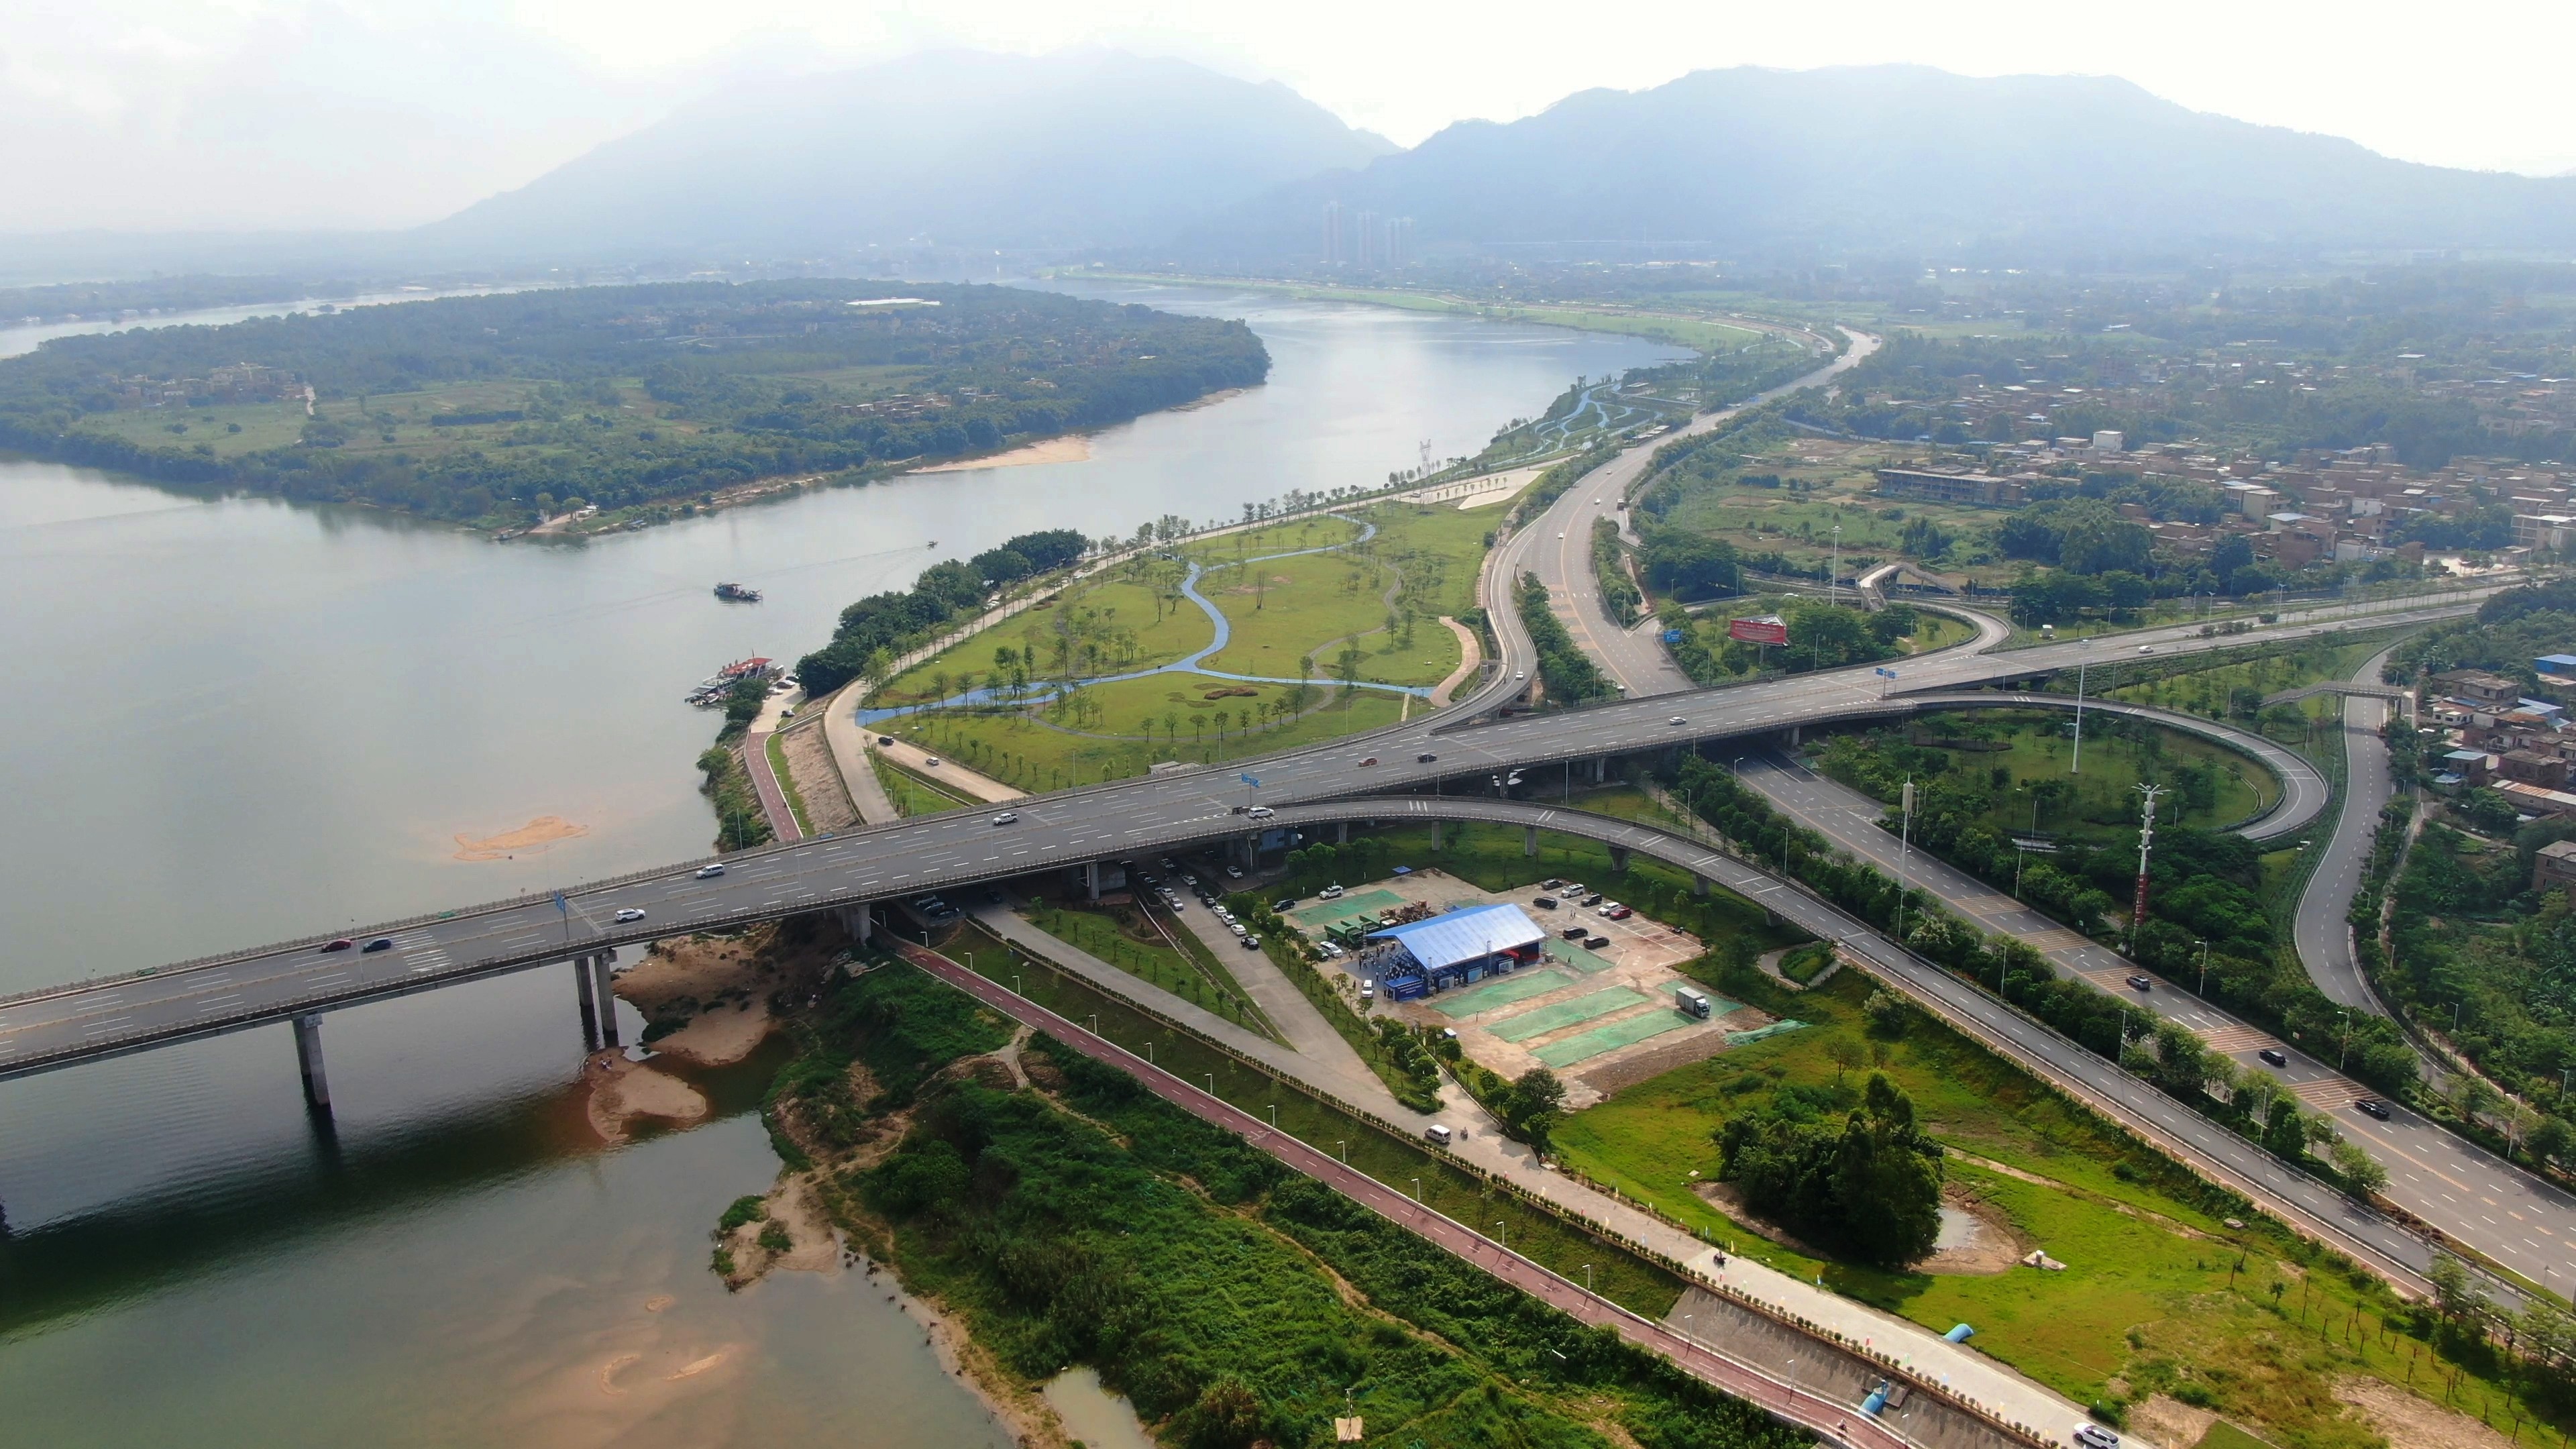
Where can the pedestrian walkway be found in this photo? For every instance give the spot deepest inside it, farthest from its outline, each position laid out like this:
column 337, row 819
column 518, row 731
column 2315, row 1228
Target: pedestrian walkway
column 848, row 739
column 1480, row 1142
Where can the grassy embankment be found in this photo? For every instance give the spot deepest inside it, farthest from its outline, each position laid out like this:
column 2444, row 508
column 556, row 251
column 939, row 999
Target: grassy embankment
column 777, row 748
column 1120, row 936
column 1308, row 607
column 2160, row 1295
column 2037, row 751
column 1087, row 1222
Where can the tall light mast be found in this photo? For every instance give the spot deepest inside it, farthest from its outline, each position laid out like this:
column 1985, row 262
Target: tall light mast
column 2146, row 843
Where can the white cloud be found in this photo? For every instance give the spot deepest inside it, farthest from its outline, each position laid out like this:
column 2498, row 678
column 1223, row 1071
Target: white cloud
column 247, row 113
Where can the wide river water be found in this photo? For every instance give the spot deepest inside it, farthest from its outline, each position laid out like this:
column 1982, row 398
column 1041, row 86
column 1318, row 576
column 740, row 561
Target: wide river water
column 247, row 720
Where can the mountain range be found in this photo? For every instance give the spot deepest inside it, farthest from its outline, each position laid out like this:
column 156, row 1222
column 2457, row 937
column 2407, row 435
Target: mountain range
column 1100, row 153
column 1904, row 155
column 955, row 148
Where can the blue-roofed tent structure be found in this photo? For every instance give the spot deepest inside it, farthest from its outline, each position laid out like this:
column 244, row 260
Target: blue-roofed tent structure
column 1455, row 948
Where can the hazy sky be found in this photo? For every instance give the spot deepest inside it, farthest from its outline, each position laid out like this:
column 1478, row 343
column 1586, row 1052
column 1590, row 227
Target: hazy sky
column 295, row 113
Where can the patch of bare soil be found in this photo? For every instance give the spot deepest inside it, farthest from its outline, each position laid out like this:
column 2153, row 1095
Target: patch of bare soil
column 532, row 838
column 1730, row 1200
column 818, row 779
column 621, row 1091
column 2164, row 1419
column 2410, row 1422
column 1993, row 1247
column 1654, row 1062
column 719, row 986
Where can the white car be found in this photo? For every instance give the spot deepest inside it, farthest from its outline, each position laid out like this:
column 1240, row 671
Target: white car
column 2094, row 1436
column 1677, row 720
column 1007, row 817
column 705, row 871
column 1330, row 893
column 2146, row 649
column 931, row 760
column 631, row 913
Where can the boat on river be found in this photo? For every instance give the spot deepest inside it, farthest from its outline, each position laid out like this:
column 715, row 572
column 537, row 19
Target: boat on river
column 737, row 593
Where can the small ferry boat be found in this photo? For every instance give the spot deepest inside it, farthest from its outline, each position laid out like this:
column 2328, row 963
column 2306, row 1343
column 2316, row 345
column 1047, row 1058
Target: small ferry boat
column 737, row 593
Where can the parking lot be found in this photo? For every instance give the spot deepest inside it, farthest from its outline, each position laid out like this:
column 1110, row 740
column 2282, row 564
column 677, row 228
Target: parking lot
column 1602, row 1016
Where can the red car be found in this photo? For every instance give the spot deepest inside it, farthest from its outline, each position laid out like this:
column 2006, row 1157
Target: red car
column 1371, row 760
column 343, row 944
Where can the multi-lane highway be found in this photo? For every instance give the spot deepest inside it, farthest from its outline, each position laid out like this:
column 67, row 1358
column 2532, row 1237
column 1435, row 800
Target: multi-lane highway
column 2480, row 1202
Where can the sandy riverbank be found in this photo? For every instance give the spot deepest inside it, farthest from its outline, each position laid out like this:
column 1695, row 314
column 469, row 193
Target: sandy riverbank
column 1071, row 448
column 622, row 1091
column 719, row 986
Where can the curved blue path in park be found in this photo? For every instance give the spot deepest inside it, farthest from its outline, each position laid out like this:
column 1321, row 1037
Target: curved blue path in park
column 1188, row 664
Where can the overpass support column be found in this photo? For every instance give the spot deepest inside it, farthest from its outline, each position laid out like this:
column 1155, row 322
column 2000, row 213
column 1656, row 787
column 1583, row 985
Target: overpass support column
column 589, row 1005
column 1699, row 886
column 1529, row 840
column 1091, row 879
column 1600, row 769
column 607, row 997
column 1619, row 859
column 1435, row 834
column 1343, row 833
column 308, row 1062
column 857, row 923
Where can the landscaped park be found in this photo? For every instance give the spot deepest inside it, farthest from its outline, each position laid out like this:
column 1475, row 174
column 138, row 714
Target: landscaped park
column 1240, row 644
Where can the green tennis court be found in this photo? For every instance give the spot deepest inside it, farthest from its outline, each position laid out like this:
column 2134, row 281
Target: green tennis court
column 1583, row 1046
column 1519, row 986
column 1575, row 956
column 1565, row 1013
column 1325, row 913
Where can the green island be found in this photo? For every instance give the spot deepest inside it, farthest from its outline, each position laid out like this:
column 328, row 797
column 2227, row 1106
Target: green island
column 588, row 408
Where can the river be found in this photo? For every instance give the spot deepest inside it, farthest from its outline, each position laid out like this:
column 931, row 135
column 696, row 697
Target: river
column 243, row 719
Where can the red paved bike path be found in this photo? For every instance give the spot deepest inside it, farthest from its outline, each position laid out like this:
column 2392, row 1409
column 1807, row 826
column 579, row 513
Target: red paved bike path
column 1834, row 1421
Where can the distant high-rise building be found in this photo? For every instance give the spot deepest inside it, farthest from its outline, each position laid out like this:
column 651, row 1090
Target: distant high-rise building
column 1399, row 242
column 1366, row 253
column 1332, row 233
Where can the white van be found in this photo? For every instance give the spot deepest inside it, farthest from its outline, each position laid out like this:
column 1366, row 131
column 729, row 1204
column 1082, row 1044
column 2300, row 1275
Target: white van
column 1440, row 1136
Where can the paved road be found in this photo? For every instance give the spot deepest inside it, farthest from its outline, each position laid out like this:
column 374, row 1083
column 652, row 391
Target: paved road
column 1342, row 1077
column 2497, row 1209
column 1773, row 1395
column 1558, row 548
column 2323, row 939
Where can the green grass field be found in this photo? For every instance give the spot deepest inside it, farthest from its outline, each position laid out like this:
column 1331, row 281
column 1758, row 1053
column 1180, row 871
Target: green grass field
column 1121, row 937
column 2105, row 795
column 1032, row 755
column 2154, row 1294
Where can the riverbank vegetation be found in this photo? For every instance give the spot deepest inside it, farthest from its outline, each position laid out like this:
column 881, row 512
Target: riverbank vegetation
column 504, row 410
column 1077, row 1219
column 740, row 822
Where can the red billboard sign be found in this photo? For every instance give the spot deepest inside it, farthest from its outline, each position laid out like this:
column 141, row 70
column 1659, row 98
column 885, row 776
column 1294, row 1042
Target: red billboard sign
column 1769, row 629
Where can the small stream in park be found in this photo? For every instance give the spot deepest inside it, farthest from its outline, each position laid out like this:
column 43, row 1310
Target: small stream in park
column 244, row 719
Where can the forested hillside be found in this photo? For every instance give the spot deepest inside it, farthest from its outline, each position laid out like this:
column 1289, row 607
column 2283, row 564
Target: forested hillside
column 497, row 409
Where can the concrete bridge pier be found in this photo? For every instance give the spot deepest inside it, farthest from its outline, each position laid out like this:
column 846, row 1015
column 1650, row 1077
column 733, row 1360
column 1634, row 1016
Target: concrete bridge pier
column 589, row 1004
column 1342, row 833
column 1699, row 886
column 1619, row 859
column 1529, row 840
column 1600, row 769
column 308, row 1062
column 1435, row 834
column 607, row 997
column 1091, row 879
column 857, row 923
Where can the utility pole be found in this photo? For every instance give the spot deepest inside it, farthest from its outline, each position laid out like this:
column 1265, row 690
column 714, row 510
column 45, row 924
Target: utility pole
column 1833, row 571
column 2146, row 843
column 2081, row 661
column 1904, row 860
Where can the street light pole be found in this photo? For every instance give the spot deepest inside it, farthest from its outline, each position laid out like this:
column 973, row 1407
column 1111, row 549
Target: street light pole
column 2082, row 662
column 2203, row 993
